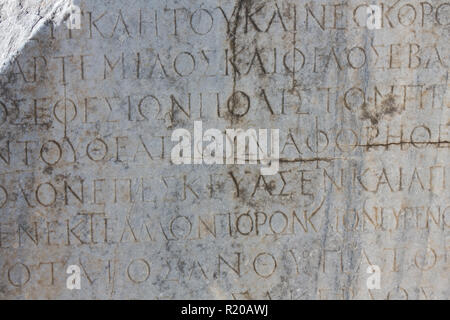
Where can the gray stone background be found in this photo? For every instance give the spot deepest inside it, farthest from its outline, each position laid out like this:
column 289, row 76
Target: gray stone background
column 86, row 117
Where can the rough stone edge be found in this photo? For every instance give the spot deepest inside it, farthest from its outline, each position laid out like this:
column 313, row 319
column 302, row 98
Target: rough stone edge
column 21, row 20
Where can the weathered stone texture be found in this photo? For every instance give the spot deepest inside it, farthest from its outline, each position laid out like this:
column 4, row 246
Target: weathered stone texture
column 86, row 178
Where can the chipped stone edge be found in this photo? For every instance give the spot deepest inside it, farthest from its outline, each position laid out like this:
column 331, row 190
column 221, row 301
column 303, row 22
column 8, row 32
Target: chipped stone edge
column 24, row 20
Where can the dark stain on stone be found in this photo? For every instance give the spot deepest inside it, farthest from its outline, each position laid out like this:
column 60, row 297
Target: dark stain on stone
column 232, row 34
column 48, row 170
column 387, row 107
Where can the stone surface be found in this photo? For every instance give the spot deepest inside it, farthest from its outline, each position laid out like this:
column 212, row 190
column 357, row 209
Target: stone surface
column 86, row 178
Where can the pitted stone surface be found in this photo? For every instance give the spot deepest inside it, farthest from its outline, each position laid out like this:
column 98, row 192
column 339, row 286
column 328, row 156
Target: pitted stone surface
column 86, row 177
